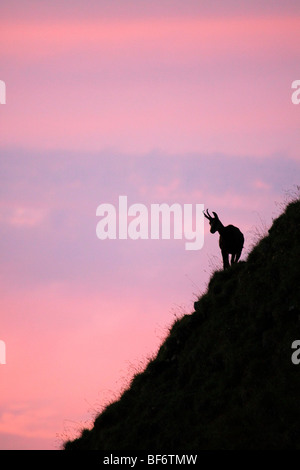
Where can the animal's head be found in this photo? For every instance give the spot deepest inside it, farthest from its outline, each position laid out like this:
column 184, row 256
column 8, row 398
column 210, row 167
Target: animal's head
column 213, row 221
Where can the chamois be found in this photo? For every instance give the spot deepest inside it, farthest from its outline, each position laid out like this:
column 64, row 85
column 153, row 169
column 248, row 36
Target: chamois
column 231, row 239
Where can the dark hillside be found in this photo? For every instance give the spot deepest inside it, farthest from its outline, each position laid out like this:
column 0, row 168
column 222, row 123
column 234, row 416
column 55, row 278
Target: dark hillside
column 223, row 378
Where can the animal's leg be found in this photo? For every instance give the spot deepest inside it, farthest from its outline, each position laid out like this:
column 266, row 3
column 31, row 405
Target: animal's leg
column 225, row 257
column 237, row 256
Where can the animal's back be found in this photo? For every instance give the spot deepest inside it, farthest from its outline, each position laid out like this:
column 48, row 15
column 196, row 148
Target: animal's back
column 232, row 239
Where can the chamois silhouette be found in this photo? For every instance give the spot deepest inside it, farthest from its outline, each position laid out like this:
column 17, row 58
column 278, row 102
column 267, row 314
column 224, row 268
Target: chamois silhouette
column 231, row 239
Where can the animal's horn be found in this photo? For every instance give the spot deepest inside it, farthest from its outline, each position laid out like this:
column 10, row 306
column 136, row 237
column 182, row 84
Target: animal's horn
column 207, row 215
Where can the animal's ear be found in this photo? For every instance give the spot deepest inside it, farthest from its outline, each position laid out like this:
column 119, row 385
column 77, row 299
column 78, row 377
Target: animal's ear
column 216, row 215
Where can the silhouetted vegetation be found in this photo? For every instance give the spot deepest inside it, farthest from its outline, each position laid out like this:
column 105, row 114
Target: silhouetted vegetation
column 223, row 378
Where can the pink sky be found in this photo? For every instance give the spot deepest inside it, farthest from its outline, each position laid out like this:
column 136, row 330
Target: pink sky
column 186, row 102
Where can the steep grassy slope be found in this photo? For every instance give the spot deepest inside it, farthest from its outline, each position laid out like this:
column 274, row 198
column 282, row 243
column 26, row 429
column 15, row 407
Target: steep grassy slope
column 223, row 379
